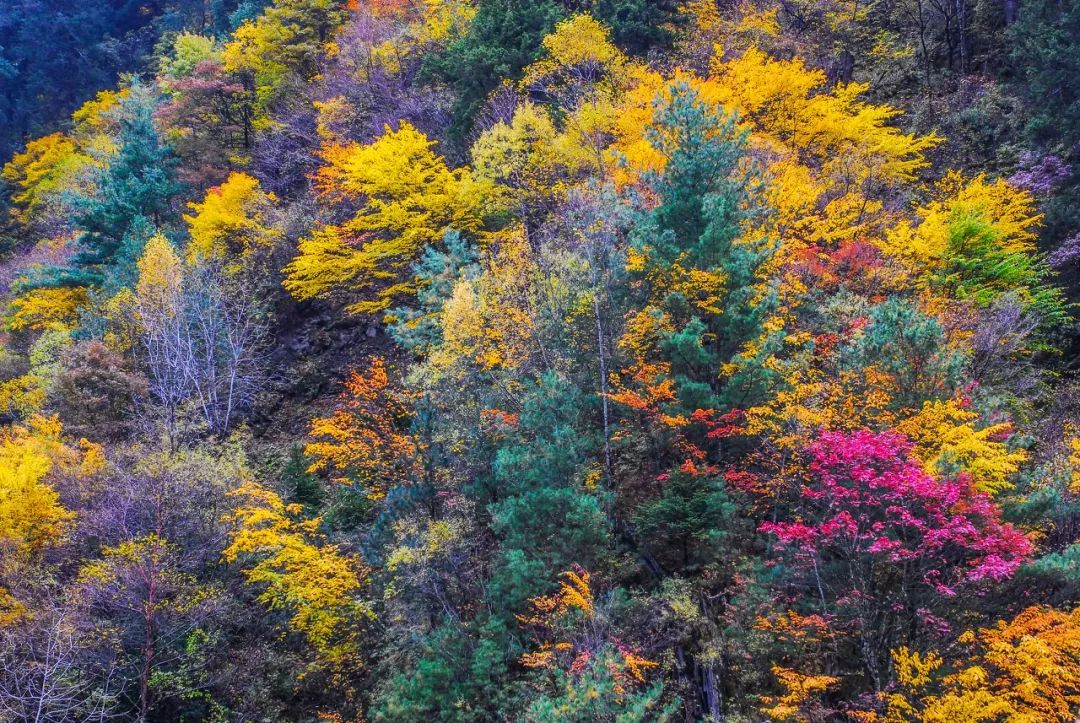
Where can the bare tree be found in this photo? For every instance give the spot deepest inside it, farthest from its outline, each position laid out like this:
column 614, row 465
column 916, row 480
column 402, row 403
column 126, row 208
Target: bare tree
column 159, row 315
column 42, row 678
column 1001, row 343
column 165, row 342
column 226, row 331
column 202, row 339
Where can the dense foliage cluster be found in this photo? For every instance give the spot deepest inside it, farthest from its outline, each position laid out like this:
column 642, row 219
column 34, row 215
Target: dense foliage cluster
column 617, row 360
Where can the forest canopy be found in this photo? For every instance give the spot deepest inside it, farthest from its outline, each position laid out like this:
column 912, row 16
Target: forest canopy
column 492, row 360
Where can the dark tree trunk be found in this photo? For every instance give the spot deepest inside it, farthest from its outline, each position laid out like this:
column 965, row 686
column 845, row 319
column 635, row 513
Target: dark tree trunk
column 1011, row 10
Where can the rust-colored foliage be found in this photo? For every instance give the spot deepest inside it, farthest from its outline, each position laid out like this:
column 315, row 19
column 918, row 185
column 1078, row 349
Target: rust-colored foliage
column 367, row 441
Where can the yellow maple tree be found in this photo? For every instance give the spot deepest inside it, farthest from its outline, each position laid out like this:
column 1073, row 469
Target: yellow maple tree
column 31, row 515
column 161, row 278
column 289, row 37
column 1009, row 210
column 947, row 439
column 486, row 323
column 40, row 173
column 47, row 308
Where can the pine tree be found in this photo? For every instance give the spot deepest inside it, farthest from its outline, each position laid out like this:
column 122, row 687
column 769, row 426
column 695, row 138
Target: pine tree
column 706, row 275
column 133, row 192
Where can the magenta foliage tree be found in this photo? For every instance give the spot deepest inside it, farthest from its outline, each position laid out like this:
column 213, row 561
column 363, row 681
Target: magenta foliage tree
column 884, row 547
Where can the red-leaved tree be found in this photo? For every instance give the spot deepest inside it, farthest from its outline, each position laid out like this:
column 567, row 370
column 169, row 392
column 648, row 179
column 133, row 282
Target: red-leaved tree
column 885, row 547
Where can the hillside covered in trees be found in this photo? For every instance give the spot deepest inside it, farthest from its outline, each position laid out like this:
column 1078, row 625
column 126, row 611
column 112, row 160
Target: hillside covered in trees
column 540, row 360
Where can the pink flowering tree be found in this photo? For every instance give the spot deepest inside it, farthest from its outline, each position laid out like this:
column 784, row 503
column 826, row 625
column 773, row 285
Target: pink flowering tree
column 884, row 548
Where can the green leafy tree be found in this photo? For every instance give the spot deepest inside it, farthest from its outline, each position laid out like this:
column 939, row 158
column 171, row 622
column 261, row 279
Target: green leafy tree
column 1045, row 40
column 636, row 25
column 705, row 274
column 912, row 348
column 979, row 268
column 132, row 194
column 504, row 37
column 688, row 524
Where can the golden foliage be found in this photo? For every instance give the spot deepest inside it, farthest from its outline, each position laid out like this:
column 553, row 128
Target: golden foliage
column 709, row 29
column 161, row 278
column 410, row 200
column 849, row 140
column 232, row 223
column 815, row 399
column 47, row 308
column 486, row 322
column 578, row 44
column 791, row 117
column 22, row 396
column 48, row 166
column 289, row 37
column 549, row 620
column 1009, row 210
column 419, row 23
column 574, row 593
column 31, row 516
column 946, row 440
column 801, row 691
column 298, row 571
column 1073, row 442
column 1020, row 670
column 95, row 117
column 11, row 609
column 530, row 156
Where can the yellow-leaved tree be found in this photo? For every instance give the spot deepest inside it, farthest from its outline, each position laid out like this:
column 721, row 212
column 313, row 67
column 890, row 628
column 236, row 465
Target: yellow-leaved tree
column 487, row 323
column 41, row 173
column 531, row 158
column 947, row 439
column 161, row 276
column 298, row 571
column 50, row 166
column 1008, row 210
column 47, row 308
column 287, row 39
column 158, row 313
column 801, row 698
column 975, row 244
column 410, row 200
column 31, row 516
column 232, row 224
column 30, row 510
column 1024, row 669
